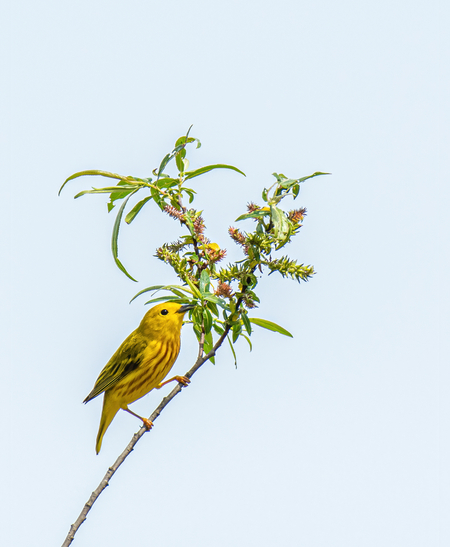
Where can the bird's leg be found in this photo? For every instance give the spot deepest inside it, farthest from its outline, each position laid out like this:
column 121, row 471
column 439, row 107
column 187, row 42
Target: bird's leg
column 183, row 380
column 148, row 424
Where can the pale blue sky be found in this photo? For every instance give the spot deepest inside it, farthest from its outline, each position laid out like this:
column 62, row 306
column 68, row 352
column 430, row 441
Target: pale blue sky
column 338, row 437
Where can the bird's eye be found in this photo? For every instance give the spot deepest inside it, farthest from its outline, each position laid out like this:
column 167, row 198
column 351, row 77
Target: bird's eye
column 164, row 312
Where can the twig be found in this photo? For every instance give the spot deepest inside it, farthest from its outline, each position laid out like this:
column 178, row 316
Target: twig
column 105, row 481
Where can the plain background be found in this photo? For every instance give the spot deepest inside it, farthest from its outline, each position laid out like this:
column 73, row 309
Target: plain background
column 337, row 437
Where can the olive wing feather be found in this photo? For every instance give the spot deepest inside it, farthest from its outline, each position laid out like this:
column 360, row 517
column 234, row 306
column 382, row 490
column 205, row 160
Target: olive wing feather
column 126, row 359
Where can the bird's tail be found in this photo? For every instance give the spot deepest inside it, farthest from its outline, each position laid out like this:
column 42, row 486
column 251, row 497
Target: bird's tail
column 110, row 409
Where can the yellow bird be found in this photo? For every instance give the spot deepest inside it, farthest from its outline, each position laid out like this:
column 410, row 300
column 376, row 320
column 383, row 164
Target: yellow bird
column 141, row 363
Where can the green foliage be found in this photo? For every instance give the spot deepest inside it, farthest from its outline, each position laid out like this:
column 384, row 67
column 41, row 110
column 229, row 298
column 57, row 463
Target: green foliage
column 222, row 297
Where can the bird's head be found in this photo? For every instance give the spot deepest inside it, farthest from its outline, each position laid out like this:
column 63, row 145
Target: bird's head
column 166, row 317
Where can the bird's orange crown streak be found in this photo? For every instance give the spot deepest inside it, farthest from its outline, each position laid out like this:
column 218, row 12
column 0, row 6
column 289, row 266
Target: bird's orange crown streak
column 140, row 364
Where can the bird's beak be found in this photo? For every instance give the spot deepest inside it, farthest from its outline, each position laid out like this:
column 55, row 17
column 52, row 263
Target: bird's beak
column 186, row 308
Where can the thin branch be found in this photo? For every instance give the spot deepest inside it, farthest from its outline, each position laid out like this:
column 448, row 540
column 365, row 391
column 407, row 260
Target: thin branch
column 105, row 481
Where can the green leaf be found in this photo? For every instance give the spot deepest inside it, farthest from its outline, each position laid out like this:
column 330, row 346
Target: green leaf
column 167, row 182
column 167, row 299
column 197, row 331
column 265, row 324
column 114, row 196
column 287, row 183
column 207, row 320
column 157, row 197
column 248, row 340
column 125, row 190
column 190, row 193
column 194, row 289
column 122, row 268
column 281, row 226
column 163, row 164
column 179, row 157
column 255, row 214
column 208, row 346
column 212, row 306
column 197, row 318
column 216, row 300
column 316, row 174
column 186, row 139
column 173, row 288
column 93, row 172
column 246, row 323
column 181, row 140
column 232, row 350
column 134, row 212
column 218, row 328
column 153, row 288
column 115, row 236
column 204, row 282
column 178, row 293
column 279, row 177
column 202, row 170
column 237, row 329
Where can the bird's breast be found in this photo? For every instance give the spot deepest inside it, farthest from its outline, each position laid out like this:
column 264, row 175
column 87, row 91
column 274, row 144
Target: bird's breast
column 157, row 361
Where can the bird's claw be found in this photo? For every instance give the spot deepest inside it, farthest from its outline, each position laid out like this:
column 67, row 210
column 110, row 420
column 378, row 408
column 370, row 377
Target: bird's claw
column 147, row 423
column 183, row 380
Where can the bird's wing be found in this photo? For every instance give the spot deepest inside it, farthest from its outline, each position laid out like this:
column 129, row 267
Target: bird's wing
column 126, row 359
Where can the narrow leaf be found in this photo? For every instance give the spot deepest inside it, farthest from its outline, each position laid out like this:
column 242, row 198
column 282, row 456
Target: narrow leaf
column 153, row 288
column 115, row 236
column 179, row 159
column 232, row 350
column 216, row 300
column 256, row 214
column 237, row 329
column 204, row 281
column 157, row 288
column 92, row 172
column 208, row 346
column 280, row 222
column 125, row 190
column 167, row 299
column 287, row 183
column 194, row 289
column 207, row 320
column 212, row 306
column 248, row 340
column 246, row 323
column 167, row 182
column 163, row 164
column 156, row 197
column 115, row 196
column 122, row 268
column 202, row 170
column 316, row 174
column 269, row 325
column 134, row 212
column 218, row 328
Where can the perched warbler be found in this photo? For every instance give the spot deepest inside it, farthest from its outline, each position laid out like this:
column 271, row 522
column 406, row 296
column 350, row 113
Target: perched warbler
column 141, row 363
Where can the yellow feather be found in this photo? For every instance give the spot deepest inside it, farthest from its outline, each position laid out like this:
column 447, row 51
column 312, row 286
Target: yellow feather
column 141, row 363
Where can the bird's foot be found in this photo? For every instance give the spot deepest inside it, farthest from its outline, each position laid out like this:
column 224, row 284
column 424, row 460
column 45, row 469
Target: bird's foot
column 147, row 423
column 183, row 380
